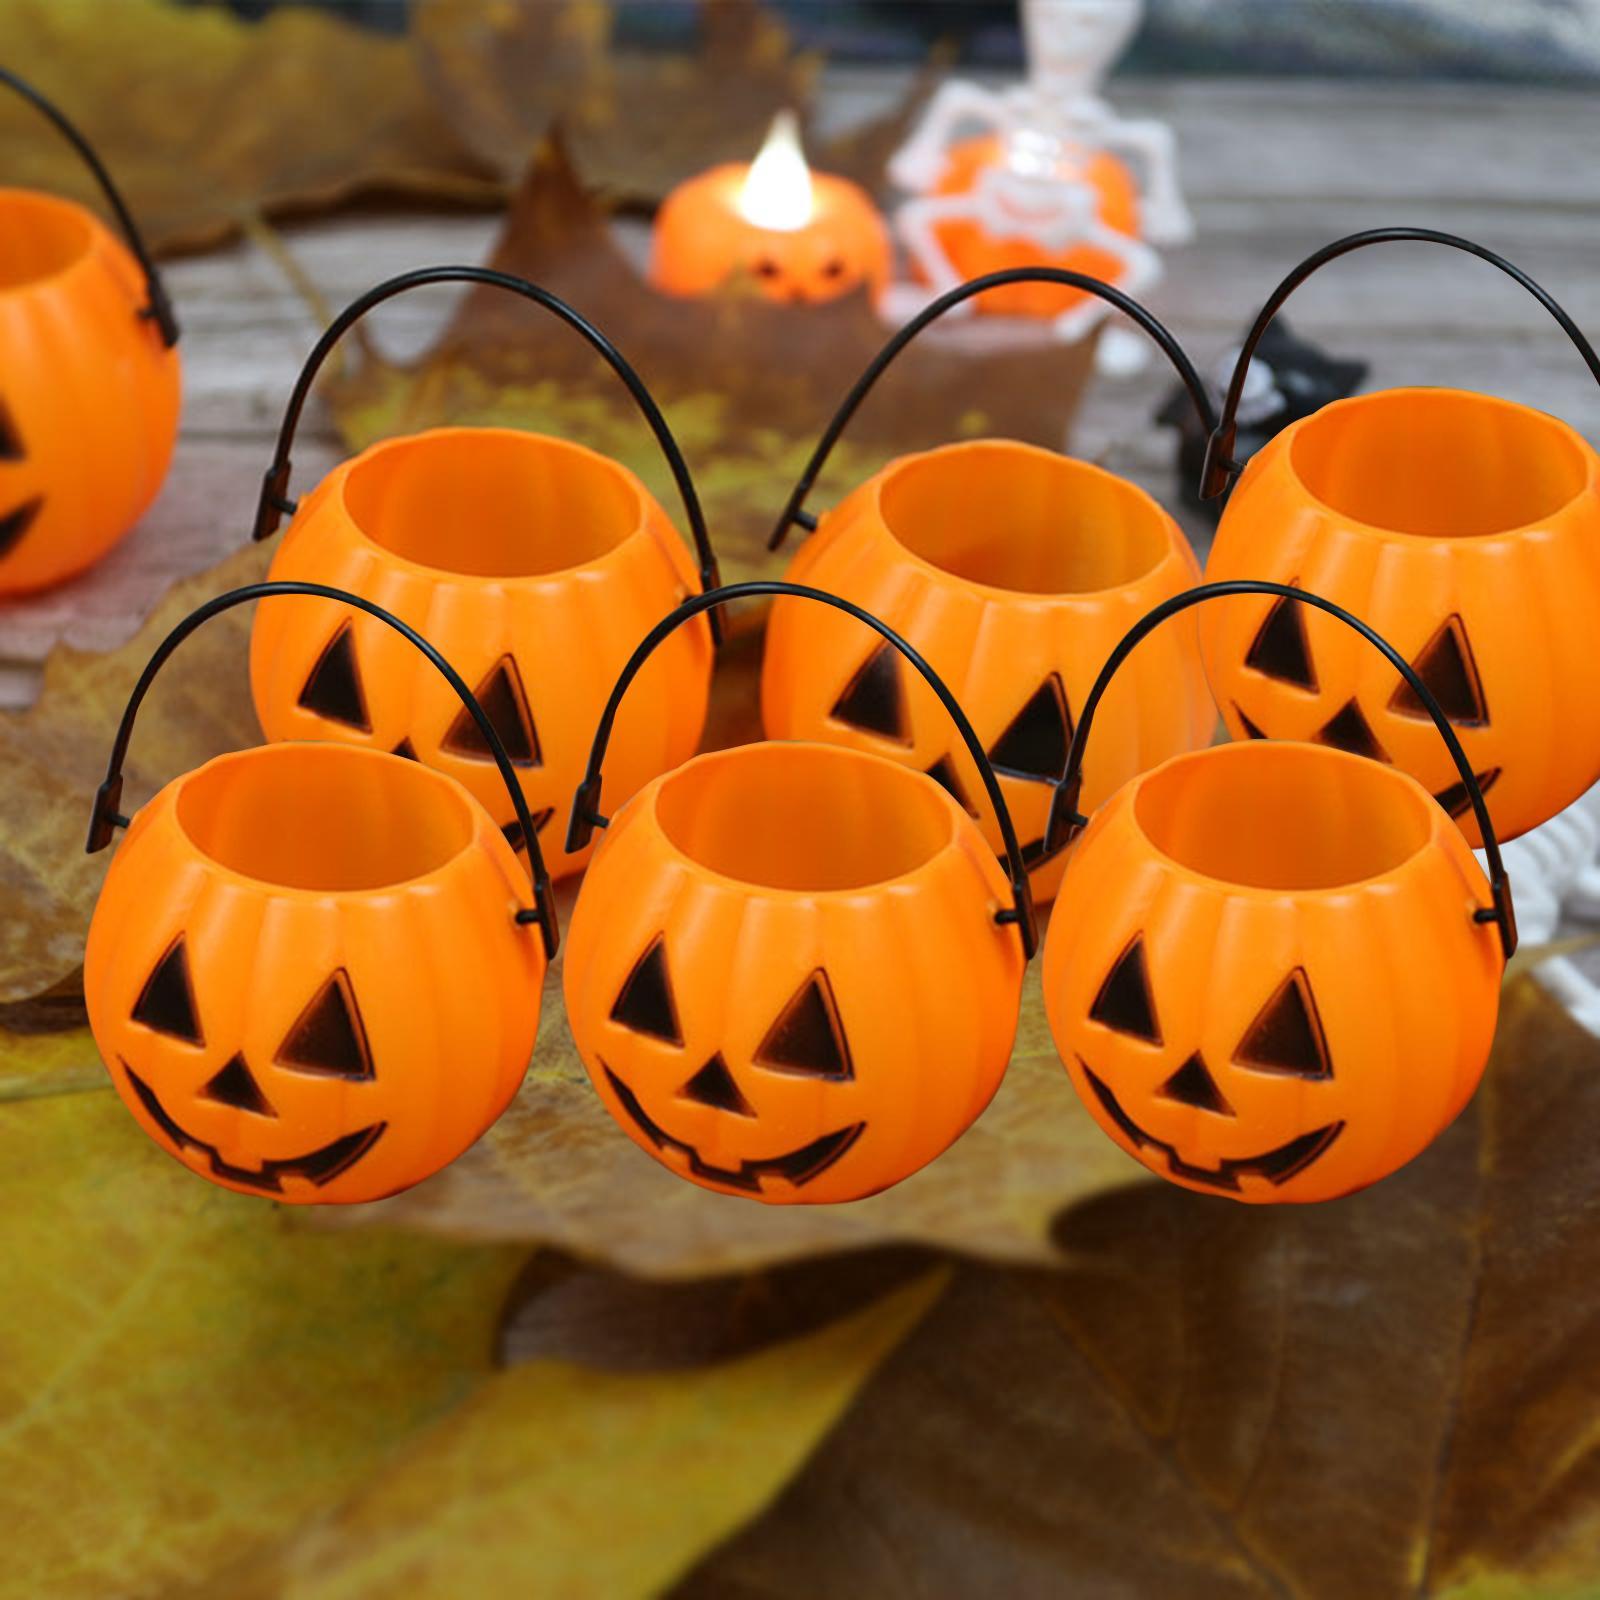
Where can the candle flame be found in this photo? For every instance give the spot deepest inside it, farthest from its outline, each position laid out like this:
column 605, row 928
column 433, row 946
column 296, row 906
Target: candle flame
column 777, row 190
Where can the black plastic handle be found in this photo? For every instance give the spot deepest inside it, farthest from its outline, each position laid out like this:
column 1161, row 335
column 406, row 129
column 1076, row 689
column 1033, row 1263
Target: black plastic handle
column 586, row 816
column 1220, row 469
column 106, row 818
column 1065, row 820
column 274, row 503
column 1113, row 296
column 158, row 308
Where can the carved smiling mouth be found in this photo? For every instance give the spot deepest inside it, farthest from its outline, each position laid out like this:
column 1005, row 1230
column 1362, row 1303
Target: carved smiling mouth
column 798, row 1166
column 320, row 1166
column 1277, row 1165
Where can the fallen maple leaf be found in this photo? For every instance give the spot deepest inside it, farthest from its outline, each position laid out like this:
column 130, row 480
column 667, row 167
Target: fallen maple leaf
column 205, row 119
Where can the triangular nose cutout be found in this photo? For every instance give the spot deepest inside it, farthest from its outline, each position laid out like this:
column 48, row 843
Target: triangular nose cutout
column 505, row 703
column 334, row 688
column 1280, row 650
column 1348, row 729
column 713, row 1085
column 1193, row 1085
column 943, row 772
column 1034, row 744
column 236, row 1086
column 874, row 700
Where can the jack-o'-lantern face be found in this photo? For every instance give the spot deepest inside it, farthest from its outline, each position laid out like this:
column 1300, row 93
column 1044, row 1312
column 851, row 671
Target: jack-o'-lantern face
column 1281, row 654
column 1031, row 747
column 806, row 1041
column 1285, row 1039
column 326, row 1041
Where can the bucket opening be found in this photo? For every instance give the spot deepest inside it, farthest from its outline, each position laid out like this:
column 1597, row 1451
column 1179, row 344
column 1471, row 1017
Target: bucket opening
column 324, row 816
column 803, row 816
column 1283, row 816
column 40, row 236
column 1438, row 463
column 491, row 502
column 1013, row 516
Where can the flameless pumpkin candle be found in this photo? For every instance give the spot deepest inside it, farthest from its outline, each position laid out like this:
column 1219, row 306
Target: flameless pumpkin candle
column 801, row 236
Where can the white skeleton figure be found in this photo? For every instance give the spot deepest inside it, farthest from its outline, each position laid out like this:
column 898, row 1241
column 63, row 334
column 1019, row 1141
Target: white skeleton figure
column 1552, row 868
column 1050, row 126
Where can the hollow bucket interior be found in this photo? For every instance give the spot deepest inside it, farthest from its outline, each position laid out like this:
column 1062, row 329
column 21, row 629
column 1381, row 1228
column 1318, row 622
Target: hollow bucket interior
column 40, row 236
column 804, row 817
column 1013, row 516
column 492, row 502
column 324, row 817
column 1270, row 815
column 1438, row 463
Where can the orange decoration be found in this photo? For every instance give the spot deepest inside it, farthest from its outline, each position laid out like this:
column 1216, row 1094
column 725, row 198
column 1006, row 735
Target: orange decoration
column 1466, row 530
column 971, row 250
column 792, row 972
column 533, row 564
column 309, row 971
column 797, row 235
column 1274, row 974
column 89, row 394
column 1014, row 571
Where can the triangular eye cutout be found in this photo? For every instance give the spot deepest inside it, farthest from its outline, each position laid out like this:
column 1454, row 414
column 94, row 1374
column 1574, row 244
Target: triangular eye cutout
column 1456, row 801
column 943, row 773
column 513, row 829
column 809, row 1037
column 166, row 1003
column 1287, row 1033
column 1251, row 731
column 1124, row 1002
column 874, row 700
column 1445, row 664
column 1035, row 742
column 1348, row 729
column 235, row 1086
column 505, row 703
column 328, row 1036
column 646, row 1004
column 713, row 1085
column 15, row 523
column 1193, row 1085
column 10, row 439
column 1279, row 649
column 334, row 688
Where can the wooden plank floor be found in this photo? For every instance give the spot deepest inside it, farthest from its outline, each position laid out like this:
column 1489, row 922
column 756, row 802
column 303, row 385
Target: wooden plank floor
column 1272, row 170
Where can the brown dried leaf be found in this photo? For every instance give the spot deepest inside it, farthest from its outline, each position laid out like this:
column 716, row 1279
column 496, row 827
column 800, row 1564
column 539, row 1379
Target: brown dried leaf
column 506, row 75
column 204, row 119
column 54, row 757
column 747, row 384
column 1389, row 1396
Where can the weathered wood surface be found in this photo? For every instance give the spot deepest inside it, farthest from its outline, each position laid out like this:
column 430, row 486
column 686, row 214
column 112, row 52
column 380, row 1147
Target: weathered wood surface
column 1272, row 170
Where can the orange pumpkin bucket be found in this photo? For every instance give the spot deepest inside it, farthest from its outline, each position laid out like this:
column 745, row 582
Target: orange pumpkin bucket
column 89, row 395
column 794, row 970
column 314, row 970
column 1466, row 530
column 1013, row 570
column 533, row 563
column 1284, row 981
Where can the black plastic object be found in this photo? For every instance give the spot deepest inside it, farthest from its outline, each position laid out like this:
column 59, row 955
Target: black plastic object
column 1220, row 467
column 1065, row 820
column 586, row 815
column 274, row 503
column 1174, row 352
column 106, row 818
column 158, row 308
